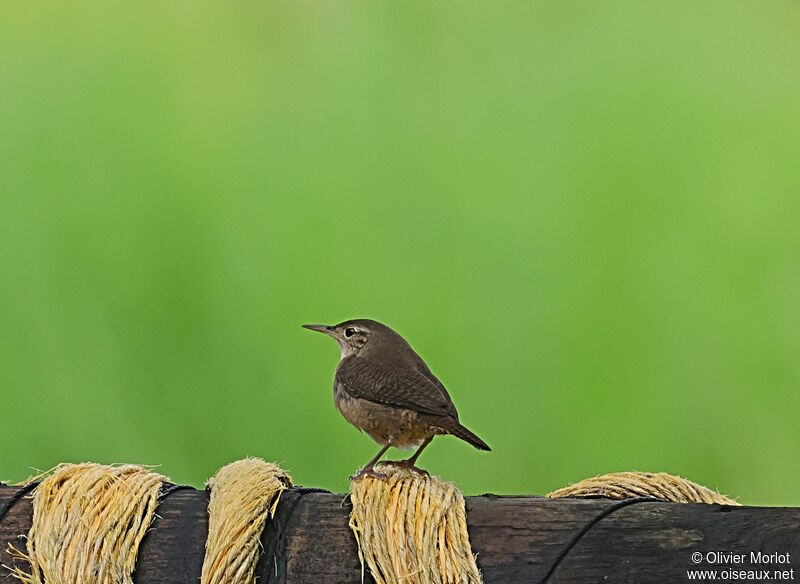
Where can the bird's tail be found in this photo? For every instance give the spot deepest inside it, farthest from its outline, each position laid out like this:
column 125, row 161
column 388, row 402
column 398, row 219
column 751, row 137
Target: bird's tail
column 460, row 431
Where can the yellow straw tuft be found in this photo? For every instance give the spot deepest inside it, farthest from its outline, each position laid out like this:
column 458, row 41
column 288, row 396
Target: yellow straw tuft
column 412, row 529
column 243, row 495
column 88, row 522
column 625, row 485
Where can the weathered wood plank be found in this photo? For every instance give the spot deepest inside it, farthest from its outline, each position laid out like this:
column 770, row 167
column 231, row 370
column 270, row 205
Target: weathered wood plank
column 517, row 539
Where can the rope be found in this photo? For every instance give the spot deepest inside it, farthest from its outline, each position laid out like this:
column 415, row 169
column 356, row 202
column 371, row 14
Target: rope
column 411, row 529
column 243, row 495
column 88, row 522
column 661, row 486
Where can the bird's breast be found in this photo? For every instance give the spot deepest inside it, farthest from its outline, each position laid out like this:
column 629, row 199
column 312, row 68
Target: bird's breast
column 354, row 410
column 381, row 421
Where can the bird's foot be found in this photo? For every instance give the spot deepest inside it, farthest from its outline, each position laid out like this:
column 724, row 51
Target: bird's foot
column 368, row 471
column 406, row 464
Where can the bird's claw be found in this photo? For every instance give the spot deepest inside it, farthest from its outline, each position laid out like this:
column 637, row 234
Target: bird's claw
column 406, row 464
column 368, row 471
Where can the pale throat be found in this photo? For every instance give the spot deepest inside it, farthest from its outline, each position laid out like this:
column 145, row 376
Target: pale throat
column 347, row 349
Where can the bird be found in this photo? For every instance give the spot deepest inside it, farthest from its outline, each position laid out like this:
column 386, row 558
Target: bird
column 383, row 388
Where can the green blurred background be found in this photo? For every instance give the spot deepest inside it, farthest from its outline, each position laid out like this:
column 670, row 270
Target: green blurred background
column 585, row 217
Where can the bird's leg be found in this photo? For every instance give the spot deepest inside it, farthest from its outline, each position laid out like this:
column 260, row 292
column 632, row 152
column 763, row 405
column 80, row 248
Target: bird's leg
column 369, row 469
column 410, row 462
column 413, row 460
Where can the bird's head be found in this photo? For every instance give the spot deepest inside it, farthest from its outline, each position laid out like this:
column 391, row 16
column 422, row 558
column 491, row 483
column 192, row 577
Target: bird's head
column 352, row 335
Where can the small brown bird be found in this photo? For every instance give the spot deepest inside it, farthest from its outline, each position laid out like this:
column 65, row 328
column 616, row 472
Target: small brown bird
column 384, row 388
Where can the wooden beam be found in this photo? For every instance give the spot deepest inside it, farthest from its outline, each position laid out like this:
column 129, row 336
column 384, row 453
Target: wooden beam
column 517, row 539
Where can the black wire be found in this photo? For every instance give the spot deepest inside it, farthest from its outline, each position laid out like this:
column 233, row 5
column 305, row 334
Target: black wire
column 280, row 524
column 577, row 537
column 306, row 490
column 168, row 488
column 280, row 542
column 21, row 492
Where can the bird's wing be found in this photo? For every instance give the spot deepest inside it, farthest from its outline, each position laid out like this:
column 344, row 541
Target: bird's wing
column 393, row 384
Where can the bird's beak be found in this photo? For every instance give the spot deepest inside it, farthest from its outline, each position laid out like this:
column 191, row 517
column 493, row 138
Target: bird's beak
column 320, row 328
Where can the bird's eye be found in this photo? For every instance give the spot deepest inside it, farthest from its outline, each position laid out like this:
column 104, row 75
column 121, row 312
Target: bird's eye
column 349, row 332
